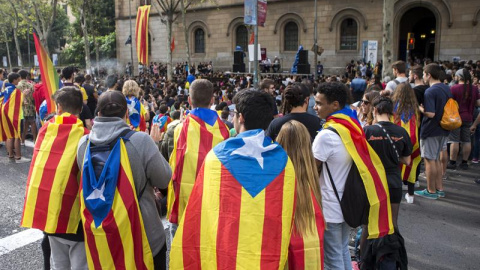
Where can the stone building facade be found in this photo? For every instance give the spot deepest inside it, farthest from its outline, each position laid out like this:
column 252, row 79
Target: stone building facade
column 443, row 29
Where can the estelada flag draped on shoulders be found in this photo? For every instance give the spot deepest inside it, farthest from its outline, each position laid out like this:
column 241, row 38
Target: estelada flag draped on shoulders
column 51, row 197
column 12, row 112
column 240, row 212
column 411, row 124
column 162, row 121
column 201, row 131
column 370, row 166
column 49, row 74
column 141, row 34
column 115, row 237
column 3, row 136
column 136, row 114
column 306, row 252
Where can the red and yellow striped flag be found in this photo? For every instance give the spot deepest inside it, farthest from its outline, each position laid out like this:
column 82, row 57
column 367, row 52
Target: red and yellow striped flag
column 240, row 212
column 370, row 166
column 202, row 130
column 49, row 75
column 3, row 136
column 306, row 252
column 411, row 125
column 141, row 34
column 115, row 236
column 12, row 111
column 51, row 197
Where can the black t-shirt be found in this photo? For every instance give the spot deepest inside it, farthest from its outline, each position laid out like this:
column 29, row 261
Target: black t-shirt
column 420, row 93
column 377, row 138
column 435, row 99
column 85, row 114
column 311, row 122
column 91, row 101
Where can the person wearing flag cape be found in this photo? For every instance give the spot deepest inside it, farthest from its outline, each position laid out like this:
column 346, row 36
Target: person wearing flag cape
column 121, row 224
column 193, row 139
column 51, row 197
column 240, row 212
column 340, row 151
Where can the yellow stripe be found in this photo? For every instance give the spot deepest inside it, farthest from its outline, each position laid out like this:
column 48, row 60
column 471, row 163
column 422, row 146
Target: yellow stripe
column 87, row 243
column 311, row 247
column 173, row 165
column 36, row 176
column 289, row 193
column 62, row 174
column 252, row 215
column 209, row 216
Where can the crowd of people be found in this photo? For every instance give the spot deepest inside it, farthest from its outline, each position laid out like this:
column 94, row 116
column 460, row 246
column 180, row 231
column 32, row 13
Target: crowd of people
column 246, row 177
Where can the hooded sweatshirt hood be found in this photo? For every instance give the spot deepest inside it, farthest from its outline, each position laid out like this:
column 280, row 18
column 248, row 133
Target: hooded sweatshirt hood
column 106, row 129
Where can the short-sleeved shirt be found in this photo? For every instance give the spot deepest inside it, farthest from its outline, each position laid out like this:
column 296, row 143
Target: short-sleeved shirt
column 379, row 141
column 358, row 85
column 329, row 148
column 28, row 101
column 435, row 99
column 311, row 122
column 391, row 85
column 465, row 106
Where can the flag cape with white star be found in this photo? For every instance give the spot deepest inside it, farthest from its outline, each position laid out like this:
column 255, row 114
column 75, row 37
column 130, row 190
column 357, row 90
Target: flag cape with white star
column 162, row 121
column 306, row 252
column 240, row 212
column 11, row 111
column 51, row 197
column 136, row 114
column 193, row 139
column 370, row 166
column 115, row 237
column 411, row 125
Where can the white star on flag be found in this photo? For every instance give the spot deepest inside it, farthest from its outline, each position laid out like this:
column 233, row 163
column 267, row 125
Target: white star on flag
column 131, row 108
column 97, row 194
column 254, row 148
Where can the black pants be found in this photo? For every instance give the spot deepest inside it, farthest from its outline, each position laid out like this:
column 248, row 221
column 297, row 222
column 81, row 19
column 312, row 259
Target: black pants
column 160, row 260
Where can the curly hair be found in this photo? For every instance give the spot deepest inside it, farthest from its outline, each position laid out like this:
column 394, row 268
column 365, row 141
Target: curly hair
column 131, row 88
column 405, row 102
column 294, row 96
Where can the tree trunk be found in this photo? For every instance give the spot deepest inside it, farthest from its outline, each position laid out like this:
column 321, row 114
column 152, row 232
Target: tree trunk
column 17, row 46
column 387, row 44
column 8, row 51
column 86, row 42
column 187, row 40
column 169, row 58
column 97, row 52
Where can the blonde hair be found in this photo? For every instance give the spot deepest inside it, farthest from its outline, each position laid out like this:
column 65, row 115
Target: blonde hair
column 295, row 139
column 131, row 88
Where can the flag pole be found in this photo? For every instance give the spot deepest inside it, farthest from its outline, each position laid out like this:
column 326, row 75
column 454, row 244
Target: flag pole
column 131, row 37
column 315, row 45
column 255, row 48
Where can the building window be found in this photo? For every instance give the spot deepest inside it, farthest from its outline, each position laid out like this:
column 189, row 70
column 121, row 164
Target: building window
column 241, row 37
column 291, row 37
column 199, row 41
column 348, row 34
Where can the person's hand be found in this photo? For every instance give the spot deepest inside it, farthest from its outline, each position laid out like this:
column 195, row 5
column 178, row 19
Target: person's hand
column 158, row 194
column 473, row 128
column 421, row 108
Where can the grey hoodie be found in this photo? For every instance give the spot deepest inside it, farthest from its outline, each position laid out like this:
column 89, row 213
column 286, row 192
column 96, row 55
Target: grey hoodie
column 149, row 169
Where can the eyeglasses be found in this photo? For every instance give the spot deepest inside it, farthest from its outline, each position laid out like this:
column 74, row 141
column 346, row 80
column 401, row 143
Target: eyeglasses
column 366, row 102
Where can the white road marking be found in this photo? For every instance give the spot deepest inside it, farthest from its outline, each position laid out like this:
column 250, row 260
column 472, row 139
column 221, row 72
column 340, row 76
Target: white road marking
column 18, row 240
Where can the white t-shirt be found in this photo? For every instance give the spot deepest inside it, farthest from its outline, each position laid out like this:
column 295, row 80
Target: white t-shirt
column 391, row 85
column 329, row 148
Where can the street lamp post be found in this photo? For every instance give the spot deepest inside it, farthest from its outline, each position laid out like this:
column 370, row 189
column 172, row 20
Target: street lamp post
column 315, row 44
column 255, row 49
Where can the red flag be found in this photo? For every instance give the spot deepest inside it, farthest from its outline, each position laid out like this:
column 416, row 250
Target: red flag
column 252, row 38
column 172, row 45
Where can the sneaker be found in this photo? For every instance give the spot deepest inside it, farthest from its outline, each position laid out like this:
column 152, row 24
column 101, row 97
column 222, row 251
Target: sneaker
column 440, row 193
column 22, row 160
column 463, row 166
column 424, row 193
column 475, row 161
column 451, row 166
column 409, row 198
column 417, row 184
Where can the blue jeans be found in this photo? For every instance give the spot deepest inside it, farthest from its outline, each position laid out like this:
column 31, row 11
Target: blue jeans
column 337, row 255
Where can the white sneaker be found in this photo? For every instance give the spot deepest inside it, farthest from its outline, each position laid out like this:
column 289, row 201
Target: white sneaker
column 409, row 198
column 22, row 160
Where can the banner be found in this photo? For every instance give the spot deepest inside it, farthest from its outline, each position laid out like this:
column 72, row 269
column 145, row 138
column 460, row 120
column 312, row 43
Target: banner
column 369, row 50
column 251, row 54
column 5, row 63
column 35, row 60
column 19, row 61
column 263, row 52
column 55, row 59
column 250, row 15
column 141, row 34
column 262, row 12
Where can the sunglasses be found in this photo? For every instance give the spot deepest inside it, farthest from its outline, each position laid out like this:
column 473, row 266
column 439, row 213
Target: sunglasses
column 366, row 102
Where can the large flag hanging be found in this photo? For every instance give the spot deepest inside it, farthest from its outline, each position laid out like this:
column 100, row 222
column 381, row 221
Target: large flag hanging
column 411, row 125
column 115, row 237
column 201, row 131
column 141, row 34
column 240, row 213
column 11, row 112
column 370, row 166
column 51, row 197
column 49, row 74
column 306, row 251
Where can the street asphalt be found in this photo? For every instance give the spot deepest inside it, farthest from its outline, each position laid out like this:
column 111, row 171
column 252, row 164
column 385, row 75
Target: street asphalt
column 439, row 234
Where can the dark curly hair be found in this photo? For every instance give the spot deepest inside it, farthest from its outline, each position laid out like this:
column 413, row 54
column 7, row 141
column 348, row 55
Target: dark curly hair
column 294, row 96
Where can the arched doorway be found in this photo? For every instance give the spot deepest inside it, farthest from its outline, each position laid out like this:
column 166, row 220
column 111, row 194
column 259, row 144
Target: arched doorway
column 422, row 23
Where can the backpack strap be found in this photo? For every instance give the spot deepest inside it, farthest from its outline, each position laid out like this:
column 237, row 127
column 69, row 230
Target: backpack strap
column 328, row 169
column 396, row 82
column 390, row 139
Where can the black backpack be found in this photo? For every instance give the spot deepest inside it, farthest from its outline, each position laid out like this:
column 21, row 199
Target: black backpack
column 354, row 202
